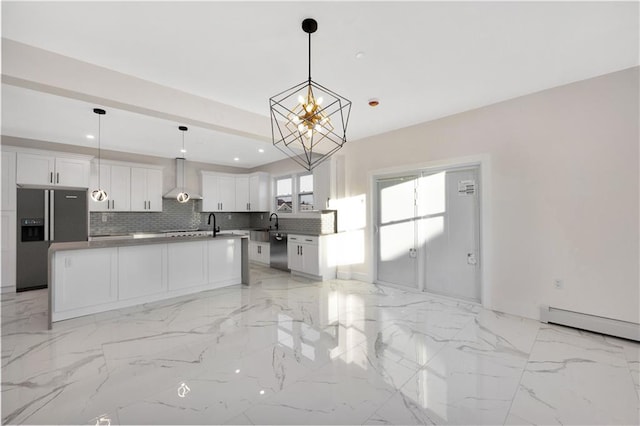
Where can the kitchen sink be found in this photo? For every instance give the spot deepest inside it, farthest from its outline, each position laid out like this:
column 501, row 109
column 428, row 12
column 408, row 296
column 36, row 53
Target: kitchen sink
column 259, row 235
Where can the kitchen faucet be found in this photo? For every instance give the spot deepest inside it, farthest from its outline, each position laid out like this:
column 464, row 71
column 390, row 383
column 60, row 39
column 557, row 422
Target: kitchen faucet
column 271, row 218
column 215, row 230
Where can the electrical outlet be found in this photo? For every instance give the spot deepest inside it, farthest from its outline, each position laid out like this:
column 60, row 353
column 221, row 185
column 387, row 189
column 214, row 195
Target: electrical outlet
column 104, row 217
column 229, row 217
column 558, row 284
column 261, row 217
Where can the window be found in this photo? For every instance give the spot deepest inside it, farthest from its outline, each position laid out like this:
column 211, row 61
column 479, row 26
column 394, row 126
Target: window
column 305, row 193
column 284, row 195
column 294, row 193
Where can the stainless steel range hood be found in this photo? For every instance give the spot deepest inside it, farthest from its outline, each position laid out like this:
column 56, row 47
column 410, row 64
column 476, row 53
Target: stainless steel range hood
column 193, row 194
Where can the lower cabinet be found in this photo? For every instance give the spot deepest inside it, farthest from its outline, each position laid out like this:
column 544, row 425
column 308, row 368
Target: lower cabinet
column 308, row 255
column 90, row 278
column 259, row 252
column 187, row 264
column 8, row 250
column 141, row 270
column 225, row 256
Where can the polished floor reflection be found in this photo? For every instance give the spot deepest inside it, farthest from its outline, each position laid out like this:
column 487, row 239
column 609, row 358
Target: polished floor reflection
column 291, row 351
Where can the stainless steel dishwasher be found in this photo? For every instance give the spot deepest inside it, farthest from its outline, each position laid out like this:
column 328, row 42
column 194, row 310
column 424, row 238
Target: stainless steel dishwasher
column 278, row 249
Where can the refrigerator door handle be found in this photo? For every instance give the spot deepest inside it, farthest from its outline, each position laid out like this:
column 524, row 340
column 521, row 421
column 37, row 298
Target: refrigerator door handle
column 46, row 215
column 52, row 215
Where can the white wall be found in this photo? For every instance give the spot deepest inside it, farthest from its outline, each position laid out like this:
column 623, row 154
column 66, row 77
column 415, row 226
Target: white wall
column 564, row 192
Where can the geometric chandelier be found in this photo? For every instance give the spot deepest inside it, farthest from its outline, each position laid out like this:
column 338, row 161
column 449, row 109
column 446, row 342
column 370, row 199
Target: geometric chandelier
column 309, row 121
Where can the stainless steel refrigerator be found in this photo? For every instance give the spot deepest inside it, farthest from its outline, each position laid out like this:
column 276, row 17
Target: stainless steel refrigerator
column 46, row 216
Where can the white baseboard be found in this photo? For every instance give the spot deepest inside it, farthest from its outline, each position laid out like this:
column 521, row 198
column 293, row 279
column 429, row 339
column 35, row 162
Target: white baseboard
column 360, row 276
column 609, row 326
column 343, row 275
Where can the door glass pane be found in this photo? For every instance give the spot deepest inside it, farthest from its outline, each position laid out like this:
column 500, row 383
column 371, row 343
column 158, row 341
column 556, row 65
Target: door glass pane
column 396, row 200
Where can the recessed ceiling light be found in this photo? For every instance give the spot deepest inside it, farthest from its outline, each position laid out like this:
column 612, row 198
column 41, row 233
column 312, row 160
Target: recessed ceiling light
column 183, row 150
column 261, row 150
column 359, row 55
column 90, row 137
column 236, row 159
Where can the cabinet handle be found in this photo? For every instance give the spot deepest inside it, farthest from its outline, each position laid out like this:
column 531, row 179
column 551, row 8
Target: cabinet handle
column 309, row 240
column 57, row 177
column 51, row 177
column 113, row 204
column 300, row 250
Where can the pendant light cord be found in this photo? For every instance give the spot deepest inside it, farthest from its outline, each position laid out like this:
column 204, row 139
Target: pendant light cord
column 183, row 152
column 309, row 58
column 99, row 156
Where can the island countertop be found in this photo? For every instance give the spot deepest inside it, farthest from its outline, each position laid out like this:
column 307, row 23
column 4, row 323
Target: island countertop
column 127, row 242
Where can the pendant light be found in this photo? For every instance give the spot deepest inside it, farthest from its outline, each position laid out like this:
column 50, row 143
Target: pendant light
column 182, row 197
column 309, row 121
column 99, row 194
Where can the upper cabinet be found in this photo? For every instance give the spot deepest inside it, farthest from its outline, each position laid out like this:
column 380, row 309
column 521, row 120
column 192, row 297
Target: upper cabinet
column 49, row 170
column 218, row 192
column 8, row 180
column 146, row 189
column 235, row 193
column 324, row 183
column 242, row 194
column 259, row 192
column 116, row 181
column 252, row 192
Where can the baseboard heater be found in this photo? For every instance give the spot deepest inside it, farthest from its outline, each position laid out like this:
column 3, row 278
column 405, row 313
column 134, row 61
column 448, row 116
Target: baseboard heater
column 609, row 326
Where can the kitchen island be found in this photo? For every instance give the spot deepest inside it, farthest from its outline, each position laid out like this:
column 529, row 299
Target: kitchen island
column 88, row 277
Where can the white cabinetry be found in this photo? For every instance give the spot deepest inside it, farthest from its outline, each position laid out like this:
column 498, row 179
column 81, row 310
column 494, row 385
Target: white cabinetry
column 116, row 180
column 259, row 192
column 8, row 180
column 8, row 252
column 260, row 252
column 310, row 255
column 48, row 170
column 242, row 194
column 187, row 265
column 8, row 224
column 146, row 190
column 324, row 183
column 141, row 270
column 225, row 255
column 90, row 278
column 218, row 192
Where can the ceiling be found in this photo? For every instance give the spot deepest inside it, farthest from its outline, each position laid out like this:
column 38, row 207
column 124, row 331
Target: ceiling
column 422, row 60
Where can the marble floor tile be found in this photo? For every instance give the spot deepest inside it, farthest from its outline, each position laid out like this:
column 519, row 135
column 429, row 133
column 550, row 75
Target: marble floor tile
column 575, row 378
column 289, row 350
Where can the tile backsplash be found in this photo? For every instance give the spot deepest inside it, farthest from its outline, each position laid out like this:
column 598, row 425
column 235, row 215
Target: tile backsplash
column 176, row 215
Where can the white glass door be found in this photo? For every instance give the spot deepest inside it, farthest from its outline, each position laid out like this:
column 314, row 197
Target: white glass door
column 449, row 232
column 396, row 231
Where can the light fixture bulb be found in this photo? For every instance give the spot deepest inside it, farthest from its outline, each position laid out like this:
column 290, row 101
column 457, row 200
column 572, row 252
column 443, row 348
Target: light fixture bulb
column 301, row 127
column 309, row 106
column 319, row 101
column 99, row 195
column 309, row 133
column 182, row 197
column 301, row 100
